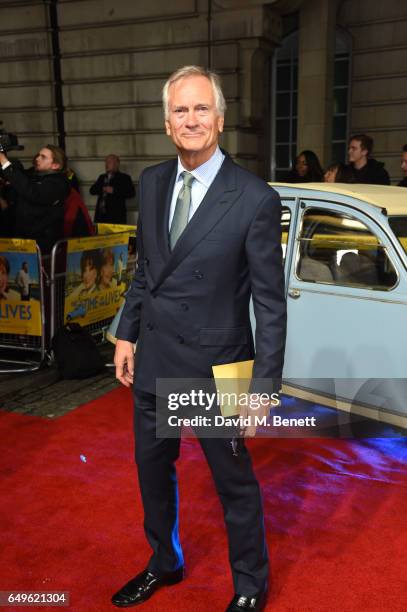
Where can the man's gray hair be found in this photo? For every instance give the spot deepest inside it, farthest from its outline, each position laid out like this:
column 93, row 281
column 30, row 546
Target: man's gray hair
column 187, row 71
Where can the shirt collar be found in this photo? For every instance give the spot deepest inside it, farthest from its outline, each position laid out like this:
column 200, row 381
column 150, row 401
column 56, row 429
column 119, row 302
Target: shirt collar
column 206, row 172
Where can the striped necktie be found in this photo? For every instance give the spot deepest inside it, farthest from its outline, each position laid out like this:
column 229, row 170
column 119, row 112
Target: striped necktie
column 181, row 213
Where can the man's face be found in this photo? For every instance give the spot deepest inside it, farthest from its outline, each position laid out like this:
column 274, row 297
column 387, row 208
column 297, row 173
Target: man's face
column 355, row 152
column 25, row 267
column 404, row 162
column 44, row 161
column 193, row 122
column 111, row 164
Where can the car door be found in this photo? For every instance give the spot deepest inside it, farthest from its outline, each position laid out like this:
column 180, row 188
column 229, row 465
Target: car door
column 346, row 300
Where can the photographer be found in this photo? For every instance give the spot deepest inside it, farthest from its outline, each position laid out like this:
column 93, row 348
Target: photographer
column 40, row 196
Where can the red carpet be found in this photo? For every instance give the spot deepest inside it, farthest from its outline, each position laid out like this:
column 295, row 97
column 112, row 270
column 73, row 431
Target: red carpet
column 335, row 517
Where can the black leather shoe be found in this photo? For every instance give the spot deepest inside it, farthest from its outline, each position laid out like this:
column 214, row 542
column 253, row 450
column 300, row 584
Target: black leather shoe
column 241, row 603
column 140, row 588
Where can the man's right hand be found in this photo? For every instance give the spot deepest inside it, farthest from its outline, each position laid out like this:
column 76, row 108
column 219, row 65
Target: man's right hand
column 124, row 362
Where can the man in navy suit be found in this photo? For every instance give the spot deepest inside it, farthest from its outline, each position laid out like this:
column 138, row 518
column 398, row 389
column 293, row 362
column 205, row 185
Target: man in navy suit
column 209, row 237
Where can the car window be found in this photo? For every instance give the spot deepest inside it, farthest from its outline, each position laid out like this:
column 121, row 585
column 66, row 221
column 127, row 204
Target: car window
column 399, row 227
column 339, row 249
column 285, row 227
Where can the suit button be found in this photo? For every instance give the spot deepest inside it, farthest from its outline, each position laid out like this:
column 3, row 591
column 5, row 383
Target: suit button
column 184, row 306
column 146, row 261
column 198, row 274
column 180, row 339
column 150, row 326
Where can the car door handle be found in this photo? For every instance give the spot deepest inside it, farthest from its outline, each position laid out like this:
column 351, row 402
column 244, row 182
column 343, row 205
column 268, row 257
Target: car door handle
column 294, row 293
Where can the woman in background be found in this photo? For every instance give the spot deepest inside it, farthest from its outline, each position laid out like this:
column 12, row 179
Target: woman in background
column 307, row 169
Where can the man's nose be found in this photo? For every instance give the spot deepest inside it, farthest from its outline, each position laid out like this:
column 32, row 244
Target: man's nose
column 191, row 119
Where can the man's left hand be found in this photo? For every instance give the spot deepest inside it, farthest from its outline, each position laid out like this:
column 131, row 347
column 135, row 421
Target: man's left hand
column 254, row 409
column 108, row 189
column 3, row 158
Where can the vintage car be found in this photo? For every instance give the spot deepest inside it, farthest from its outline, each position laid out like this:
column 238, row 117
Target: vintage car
column 345, row 257
column 345, row 251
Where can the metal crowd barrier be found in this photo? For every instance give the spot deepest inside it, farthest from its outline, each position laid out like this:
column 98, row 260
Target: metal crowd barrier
column 24, row 352
column 58, row 282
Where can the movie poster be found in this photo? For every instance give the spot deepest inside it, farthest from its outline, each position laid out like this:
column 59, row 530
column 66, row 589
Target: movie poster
column 96, row 279
column 20, row 294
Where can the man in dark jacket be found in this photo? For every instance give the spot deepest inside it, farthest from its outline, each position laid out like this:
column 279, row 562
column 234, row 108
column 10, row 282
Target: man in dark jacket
column 40, row 196
column 208, row 237
column 113, row 188
column 403, row 182
column 365, row 168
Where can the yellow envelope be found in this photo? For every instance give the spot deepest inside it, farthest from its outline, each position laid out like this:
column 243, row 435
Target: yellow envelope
column 232, row 380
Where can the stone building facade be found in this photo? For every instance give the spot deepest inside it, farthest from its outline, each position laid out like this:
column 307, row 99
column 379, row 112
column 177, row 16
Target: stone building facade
column 94, row 69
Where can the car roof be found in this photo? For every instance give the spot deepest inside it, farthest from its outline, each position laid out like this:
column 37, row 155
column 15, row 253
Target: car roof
column 393, row 199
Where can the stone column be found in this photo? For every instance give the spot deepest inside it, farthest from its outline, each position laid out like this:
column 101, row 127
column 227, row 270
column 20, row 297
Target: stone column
column 256, row 30
column 315, row 77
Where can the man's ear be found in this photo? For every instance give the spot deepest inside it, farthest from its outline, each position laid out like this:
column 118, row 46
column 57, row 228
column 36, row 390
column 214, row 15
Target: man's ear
column 55, row 166
column 221, row 122
column 167, row 127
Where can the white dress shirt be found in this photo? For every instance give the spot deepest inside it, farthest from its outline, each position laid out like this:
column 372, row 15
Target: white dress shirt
column 204, row 177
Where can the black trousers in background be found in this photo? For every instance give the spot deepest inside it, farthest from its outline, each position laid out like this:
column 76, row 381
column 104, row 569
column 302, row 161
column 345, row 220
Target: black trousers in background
column 237, row 488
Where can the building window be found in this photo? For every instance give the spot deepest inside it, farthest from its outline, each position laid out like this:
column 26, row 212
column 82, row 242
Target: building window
column 285, row 102
column 285, row 96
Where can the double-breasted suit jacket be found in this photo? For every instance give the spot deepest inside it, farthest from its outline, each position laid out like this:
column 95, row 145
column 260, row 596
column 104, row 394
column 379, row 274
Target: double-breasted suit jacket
column 189, row 309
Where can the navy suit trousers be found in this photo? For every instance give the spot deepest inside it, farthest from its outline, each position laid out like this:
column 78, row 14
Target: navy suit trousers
column 235, row 483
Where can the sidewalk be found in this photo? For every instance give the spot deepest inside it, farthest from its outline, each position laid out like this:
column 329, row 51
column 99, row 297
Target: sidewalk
column 42, row 393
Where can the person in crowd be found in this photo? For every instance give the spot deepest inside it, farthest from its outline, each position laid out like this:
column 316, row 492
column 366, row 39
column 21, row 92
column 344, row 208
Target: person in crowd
column 403, row 182
column 5, row 292
column 90, row 271
column 23, row 281
column 339, row 173
column 307, row 169
column 77, row 221
column 8, row 197
column 112, row 188
column 73, row 179
column 40, row 196
column 6, row 222
column 106, row 280
column 208, row 237
column 365, row 168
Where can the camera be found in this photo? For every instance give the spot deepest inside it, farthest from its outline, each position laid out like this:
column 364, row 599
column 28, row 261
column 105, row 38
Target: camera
column 8, row 142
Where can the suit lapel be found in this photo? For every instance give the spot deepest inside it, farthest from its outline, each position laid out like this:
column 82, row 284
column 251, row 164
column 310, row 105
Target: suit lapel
column 220, row 197
column 165, row 187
